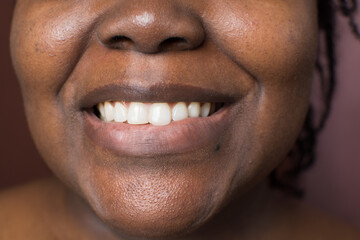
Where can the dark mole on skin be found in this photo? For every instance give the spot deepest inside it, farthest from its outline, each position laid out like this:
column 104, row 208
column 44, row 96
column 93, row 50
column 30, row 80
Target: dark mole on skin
column 217, row 147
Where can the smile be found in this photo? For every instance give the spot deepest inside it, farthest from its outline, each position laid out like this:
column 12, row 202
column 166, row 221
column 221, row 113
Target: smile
column 158, row 114
column 149, row 128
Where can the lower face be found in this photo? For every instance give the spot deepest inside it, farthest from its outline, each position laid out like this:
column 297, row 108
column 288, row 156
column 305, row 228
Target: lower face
column 156, row 140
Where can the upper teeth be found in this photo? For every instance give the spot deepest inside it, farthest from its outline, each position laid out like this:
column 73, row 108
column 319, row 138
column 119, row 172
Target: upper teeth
column 154, row 113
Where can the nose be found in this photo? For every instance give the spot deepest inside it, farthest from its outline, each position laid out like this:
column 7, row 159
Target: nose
column 150, row 27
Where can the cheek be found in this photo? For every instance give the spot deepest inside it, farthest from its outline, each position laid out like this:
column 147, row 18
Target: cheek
column 44, row 47
column 45, row 43
column 276, row 44
column 271, row 40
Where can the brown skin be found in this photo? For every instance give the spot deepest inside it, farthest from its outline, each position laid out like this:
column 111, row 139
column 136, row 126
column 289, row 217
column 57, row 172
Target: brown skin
column 262, row 50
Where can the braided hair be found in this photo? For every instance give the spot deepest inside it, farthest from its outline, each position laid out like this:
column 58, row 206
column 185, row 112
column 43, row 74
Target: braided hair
column 302, row 156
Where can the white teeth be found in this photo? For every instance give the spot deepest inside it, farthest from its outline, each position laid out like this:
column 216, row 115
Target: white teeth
column 156, row 113
column 205, row 109
column 194, row 109
column 137, row 113
column 109, row 112
column 102, row 111
column 179, row 112
column 120, row 112
column 160, row 114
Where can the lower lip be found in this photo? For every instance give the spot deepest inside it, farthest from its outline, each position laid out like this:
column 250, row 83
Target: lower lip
column 148, row 140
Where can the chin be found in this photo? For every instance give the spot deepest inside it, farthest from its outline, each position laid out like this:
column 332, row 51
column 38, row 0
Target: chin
column 143, row 203
column 155, row 223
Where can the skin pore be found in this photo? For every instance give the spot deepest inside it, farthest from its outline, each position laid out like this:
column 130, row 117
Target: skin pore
column 121, row 181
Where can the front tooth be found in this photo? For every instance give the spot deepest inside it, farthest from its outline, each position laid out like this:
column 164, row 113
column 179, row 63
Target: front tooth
column 205, row 109
column 194, row 109
column 160, row 114
column 179, row 112
column 120, row 112
column 137, row 113
column 109, row 112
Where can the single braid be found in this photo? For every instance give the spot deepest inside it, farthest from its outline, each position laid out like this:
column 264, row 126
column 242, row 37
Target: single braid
column 348, row 9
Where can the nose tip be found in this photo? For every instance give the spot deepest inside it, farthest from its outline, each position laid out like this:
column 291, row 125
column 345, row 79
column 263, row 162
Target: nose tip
column 151, row 29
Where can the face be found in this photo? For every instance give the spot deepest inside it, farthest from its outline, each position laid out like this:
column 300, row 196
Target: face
column 91, row 72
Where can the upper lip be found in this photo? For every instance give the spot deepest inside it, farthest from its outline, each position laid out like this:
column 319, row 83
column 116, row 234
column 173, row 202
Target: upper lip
column 107, row 78
column 154, row 93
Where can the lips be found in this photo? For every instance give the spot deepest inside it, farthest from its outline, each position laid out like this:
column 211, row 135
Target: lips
column 147, row 140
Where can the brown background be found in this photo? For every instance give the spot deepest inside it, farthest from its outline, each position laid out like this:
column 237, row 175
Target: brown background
column 333, row 185
column 19, row 161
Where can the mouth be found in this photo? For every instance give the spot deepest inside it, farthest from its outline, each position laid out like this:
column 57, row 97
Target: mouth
column 156, row 127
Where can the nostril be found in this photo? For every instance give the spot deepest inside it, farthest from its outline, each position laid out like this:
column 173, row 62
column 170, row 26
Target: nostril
column 174, row 43
column 120, row 42
column 145, row 29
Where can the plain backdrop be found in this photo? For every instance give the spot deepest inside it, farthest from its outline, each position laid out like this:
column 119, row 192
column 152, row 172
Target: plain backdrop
column 332, row 185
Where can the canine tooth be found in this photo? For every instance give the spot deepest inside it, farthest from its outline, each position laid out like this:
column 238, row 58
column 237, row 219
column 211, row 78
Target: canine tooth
column 101, row 109
column 120, row 112
column 109, row 112
column 205, row 109
column 160, row 114
column 180, row 111
column 137, row 113
column 194, row 109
